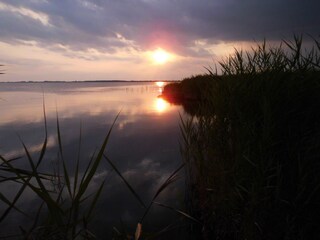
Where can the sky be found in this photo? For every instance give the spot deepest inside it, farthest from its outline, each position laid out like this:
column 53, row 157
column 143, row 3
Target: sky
column 75, row 40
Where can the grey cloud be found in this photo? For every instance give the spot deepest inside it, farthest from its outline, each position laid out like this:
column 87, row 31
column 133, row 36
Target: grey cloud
column 93, row 24
column 14, row 28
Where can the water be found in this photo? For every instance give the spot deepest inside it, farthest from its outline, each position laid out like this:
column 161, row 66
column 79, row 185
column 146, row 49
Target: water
column 144, row 145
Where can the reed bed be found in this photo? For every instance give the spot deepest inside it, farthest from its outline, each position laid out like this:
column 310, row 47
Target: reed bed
column 252, row 147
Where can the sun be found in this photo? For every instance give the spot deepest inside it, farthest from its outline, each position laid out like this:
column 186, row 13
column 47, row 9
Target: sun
column 160, row 56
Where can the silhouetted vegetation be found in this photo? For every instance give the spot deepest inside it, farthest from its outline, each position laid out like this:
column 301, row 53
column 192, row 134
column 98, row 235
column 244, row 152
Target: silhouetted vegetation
column 252, row 148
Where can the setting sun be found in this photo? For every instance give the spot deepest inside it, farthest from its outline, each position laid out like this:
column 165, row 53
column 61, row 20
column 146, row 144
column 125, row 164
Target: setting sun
column 160, row 56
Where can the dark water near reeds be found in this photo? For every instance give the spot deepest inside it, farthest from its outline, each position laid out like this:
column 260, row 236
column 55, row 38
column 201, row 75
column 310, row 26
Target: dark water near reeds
column 144, row 145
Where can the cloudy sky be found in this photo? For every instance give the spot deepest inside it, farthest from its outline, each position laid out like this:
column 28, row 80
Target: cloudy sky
column 117, row 39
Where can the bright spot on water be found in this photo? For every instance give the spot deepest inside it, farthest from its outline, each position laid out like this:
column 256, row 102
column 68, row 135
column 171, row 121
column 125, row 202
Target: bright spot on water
column 160, row 84
column 161, row 105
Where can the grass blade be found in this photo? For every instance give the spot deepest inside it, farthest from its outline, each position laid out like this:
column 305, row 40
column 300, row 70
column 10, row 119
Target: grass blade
column 126, row 182
column 138, row 232
column 178, row 211
column 172, row 178
column 76, row 173
column 94, row 201
column 11, row 205
column 45, row 142
column 65, row 170
column 53, row 207
column 95, row 164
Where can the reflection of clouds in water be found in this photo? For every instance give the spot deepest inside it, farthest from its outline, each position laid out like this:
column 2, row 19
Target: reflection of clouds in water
column 148, row 176
column 10, row 189
column 26, row 105
column 147, row 163
column 122, row 123
column 100, row 176
column 51, row 142
column 143, row 145
column 146, row 171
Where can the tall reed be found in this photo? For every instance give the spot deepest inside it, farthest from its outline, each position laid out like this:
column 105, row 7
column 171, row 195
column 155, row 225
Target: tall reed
column 252, row 149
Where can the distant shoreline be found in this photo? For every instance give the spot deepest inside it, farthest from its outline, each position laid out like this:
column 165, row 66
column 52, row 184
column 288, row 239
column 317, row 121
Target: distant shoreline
column 97, row 81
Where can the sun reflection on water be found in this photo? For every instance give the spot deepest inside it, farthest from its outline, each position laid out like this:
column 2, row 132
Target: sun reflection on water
column 160, row 86
column 161, row 105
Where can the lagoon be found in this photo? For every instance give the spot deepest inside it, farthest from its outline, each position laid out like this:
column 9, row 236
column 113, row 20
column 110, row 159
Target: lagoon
column 144, row 145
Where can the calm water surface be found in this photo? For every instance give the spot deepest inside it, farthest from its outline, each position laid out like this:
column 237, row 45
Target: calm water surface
column 144, row 144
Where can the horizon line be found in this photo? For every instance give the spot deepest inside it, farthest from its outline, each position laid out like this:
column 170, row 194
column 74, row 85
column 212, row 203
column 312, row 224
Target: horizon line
column 80, row 81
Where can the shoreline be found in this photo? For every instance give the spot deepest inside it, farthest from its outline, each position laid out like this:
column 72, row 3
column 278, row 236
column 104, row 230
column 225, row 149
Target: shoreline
column 97, row 81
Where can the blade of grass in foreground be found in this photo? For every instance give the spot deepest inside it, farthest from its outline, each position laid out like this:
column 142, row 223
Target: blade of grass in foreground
column 13, row 202
column 178, row 211
column 45, row 142
column 126, row 182
column 11, row 205
column 42, row 192
column 76, row 173
column 53, row 207
column 28, row 174
column 65, row 170
column 84, row 185
column 94, row 201
column 88, row 167
column 172, row 178
column 166, row 229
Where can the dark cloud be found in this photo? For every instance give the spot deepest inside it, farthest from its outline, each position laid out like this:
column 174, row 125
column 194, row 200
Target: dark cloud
column 177, row 24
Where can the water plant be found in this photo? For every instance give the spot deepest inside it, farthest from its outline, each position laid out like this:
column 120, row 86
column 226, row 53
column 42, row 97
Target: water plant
column 67, row 204
column 252, row 147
